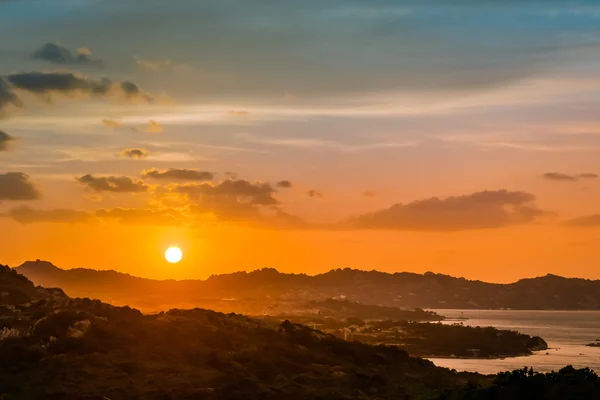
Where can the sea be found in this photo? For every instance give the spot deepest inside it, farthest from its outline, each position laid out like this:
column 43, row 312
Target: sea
column 566, row 332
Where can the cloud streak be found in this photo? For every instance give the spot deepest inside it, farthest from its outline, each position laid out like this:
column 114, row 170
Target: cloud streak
column 56, row 54
column 561, row 177
column 116, row 184
column 137, row 154
column 481, row 210
column 73, row 84
column 178, row 174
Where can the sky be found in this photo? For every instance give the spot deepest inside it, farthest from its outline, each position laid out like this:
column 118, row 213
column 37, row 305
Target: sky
column 458, row 136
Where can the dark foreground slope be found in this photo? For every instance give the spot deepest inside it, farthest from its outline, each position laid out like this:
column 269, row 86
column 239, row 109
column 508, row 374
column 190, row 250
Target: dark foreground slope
column 526, row 384
column 267, row 289
column 55, row 347
column 79, row 348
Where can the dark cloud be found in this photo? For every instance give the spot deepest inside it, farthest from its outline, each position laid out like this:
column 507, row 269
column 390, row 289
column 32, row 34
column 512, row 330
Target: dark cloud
column 7, row 97
column 229, row 199
column 314, row 194
column 130, row 88
column 179, row 174
column 369, row 193
column 587, row 221
column 26, row 215
column 133, row 216
column 63, row 82
column 57, row 54
column 239, row 190
column 117, row 184
column 558, row 176
column 284, row 184
column 135, row 153
column 5, row 140
column 17, row 186
column 488, row 209
column 68, row 83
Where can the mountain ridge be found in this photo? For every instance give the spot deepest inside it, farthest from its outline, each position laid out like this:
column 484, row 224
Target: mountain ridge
column 227, row 292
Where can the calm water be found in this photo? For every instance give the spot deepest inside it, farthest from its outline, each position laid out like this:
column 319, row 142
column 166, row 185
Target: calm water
column 566, row 333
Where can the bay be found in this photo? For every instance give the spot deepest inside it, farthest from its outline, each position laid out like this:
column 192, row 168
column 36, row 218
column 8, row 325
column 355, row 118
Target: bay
column 566, row 332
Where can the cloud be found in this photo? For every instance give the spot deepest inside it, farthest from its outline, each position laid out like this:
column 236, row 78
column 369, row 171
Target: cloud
column 27, row 215
column 587, row 221
column 242, row 191
column 161, row 65
column 117, row 184
column 284, row 184
column 131, row 216
column 57, row 54
column 229, row 200
column 558, row 176
column 314, row 194
column 588, row 175
column 238, row 113
column 179, row 174
column 5, row 140
column 7, row 97
column 113, row 124
column 69, row 84
column 487, row 209
column 135, row 153
column 17, row 186
column 153, row 127
column 369, row 193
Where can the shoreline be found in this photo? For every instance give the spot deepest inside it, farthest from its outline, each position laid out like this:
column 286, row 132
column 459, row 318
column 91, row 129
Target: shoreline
column 500, row 357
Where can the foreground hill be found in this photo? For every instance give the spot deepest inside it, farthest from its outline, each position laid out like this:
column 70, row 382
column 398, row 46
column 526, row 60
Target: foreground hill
column 63, row 348
column 56, row 347
column 266, row 291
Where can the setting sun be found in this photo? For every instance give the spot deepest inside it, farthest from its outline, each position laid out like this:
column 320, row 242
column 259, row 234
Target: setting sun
column 173, row 254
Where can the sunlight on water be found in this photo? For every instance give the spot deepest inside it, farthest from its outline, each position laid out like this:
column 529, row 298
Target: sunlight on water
column 566, row 332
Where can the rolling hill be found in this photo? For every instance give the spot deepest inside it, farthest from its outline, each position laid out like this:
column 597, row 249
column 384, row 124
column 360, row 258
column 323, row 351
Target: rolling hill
column 267, row 290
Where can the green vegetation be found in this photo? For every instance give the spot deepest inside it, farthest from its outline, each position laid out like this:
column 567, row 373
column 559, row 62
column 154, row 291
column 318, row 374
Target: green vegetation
column 343, row 309
column 430, row 339
column 87, row 348
column 526, row 384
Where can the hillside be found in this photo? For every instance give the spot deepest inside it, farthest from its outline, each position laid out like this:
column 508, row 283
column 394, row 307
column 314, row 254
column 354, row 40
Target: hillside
column 58, row 348
column 17, row 289
column 268, row 291
column 67, row 348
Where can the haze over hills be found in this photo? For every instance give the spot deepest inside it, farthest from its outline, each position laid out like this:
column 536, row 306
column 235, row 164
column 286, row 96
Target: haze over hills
column 264, row 291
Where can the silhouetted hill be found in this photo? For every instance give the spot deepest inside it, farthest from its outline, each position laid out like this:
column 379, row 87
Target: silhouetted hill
column 57, row 348
column 16, row 289
column 257, row 291
column 63, row 348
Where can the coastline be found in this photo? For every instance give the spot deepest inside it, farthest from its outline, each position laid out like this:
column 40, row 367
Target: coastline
column 500, row 357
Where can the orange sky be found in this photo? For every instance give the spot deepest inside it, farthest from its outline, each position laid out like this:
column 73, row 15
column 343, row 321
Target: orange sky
column 302, row 136
column 491, row 255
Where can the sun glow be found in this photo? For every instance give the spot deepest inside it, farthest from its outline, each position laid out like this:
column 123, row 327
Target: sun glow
column 173, row 254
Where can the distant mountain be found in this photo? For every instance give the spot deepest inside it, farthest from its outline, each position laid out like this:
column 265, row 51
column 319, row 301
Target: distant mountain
column 269, row 291
column 17, row 289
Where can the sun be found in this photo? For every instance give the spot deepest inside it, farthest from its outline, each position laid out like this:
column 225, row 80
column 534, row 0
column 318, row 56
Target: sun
column 173, row 255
